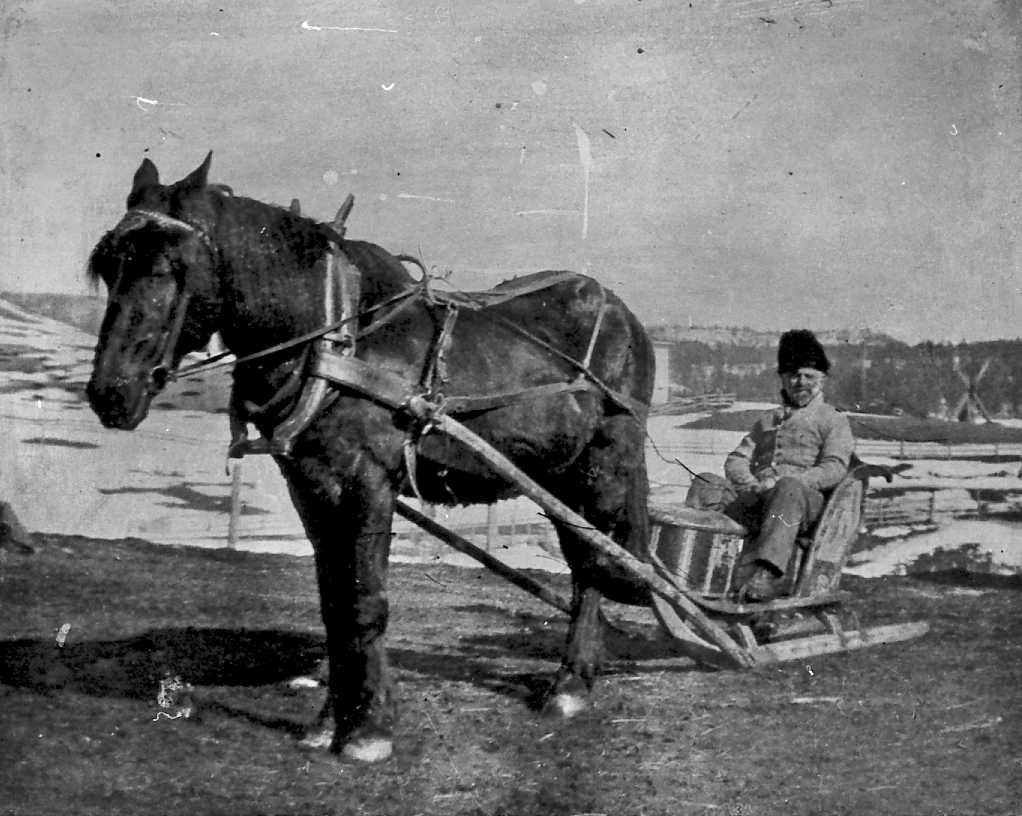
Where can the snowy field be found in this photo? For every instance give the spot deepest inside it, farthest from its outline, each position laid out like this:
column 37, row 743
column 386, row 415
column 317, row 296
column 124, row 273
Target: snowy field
column 167, row 481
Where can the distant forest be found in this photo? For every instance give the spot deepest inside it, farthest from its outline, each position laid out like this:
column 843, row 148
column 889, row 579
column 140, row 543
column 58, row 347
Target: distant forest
column 875, row 375
column 870, row 372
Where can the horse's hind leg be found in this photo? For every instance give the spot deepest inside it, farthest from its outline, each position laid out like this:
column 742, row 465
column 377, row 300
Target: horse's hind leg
column 352, row 542
column 611, row 491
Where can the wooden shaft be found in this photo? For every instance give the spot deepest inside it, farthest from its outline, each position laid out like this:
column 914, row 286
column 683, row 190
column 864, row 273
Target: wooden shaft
column 584, row 530
column 519, row 579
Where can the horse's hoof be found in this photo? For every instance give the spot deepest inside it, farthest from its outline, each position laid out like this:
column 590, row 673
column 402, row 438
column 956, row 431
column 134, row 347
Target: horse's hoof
column 368, row 749
column 317, row 740
column 565, row 705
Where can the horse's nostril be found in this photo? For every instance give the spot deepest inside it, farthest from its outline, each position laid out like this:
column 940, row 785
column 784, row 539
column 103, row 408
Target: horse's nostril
column 159, row 377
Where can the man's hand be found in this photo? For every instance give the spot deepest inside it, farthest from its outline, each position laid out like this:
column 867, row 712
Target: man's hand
column 767, row 484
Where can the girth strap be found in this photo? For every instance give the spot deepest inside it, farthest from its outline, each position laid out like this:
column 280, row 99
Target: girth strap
column 471, row 405
column 393, row 391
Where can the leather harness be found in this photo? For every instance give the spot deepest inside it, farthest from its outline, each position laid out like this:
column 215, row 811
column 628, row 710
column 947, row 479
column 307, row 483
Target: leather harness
column 330, row 363
column 333, row 364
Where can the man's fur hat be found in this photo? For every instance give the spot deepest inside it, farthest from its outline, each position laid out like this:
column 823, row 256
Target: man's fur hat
column 800, row 349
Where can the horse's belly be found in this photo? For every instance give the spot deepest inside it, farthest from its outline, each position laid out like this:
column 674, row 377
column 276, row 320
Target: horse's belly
column 543, row 439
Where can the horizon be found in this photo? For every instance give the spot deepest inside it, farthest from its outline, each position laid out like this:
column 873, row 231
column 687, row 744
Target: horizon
column 694, row 327
column 839, row 167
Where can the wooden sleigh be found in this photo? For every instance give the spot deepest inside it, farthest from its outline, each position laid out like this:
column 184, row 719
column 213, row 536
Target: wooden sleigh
column 690, row 568
column 700, row 548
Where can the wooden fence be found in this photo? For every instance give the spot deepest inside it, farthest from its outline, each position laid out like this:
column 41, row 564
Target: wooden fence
column 695, row 404
column 905, row 505
column 875, row 448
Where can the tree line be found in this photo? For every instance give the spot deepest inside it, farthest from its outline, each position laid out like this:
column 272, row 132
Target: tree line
column 887, row 377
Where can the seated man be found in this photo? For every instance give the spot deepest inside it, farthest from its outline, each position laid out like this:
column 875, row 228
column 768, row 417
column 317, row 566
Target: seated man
column 778, row 474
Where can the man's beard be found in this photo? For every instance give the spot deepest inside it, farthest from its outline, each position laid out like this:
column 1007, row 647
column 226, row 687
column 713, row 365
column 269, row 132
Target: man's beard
column 800, row 398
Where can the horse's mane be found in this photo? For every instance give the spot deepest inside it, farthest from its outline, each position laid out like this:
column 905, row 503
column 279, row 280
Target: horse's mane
column 237, row 217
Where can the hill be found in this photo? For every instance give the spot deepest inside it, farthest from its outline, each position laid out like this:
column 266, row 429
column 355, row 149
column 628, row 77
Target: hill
column 871, row 372
column 84, row 312
column 759, row 338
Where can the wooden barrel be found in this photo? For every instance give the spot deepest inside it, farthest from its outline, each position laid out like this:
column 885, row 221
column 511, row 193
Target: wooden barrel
column 700, row 547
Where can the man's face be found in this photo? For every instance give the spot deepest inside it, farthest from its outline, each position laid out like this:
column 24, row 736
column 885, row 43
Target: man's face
column 802, row 385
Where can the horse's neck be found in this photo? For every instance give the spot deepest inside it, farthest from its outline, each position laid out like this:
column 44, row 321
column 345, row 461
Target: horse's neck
column 274, row 275
column 271, row 285
column 383, row 275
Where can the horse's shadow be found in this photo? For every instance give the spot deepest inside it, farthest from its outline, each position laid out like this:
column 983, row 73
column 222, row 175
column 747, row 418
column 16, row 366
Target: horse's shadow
column 482, row 659
column 970, row 580
column 133, row 667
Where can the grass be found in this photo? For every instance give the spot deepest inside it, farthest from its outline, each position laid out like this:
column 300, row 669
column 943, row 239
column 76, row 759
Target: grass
column 929, row 726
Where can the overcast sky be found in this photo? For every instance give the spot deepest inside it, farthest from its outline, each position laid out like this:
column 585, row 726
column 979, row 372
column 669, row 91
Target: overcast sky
column 835, row 164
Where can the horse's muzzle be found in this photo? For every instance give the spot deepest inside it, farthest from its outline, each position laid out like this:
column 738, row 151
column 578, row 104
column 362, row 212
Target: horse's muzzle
column 122, row 405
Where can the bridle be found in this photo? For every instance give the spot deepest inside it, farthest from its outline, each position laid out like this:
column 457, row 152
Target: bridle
column 170, row 336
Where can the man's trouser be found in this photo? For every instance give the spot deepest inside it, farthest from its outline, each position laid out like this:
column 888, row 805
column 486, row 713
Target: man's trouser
column 774, row 519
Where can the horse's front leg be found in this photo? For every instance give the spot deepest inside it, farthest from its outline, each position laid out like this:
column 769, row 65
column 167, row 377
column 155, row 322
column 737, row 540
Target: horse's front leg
column 583, row 655
column 349, row 527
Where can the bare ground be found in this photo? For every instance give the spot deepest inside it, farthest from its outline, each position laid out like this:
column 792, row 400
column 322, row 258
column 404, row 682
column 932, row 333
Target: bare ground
column 926, row 727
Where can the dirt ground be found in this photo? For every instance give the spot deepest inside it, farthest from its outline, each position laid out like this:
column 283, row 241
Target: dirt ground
column 926, row 727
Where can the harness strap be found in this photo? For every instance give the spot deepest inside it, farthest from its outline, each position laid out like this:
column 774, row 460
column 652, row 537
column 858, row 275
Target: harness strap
column 436, row 374
column 340, row 273
column 173, row 331
column 394, row 391
column 596, row 328
column 375, row 383
column 502, row 293
column 637, row 409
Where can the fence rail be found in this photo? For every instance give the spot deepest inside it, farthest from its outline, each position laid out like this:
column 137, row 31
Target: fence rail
column 886, row 449
column 508, row 525
column 694, row 404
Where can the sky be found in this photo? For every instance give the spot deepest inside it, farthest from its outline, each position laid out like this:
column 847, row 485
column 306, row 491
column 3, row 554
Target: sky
column 820, row 163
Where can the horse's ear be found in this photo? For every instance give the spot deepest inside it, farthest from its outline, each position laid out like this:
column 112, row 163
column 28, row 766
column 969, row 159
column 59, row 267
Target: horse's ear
column 146, row 176
column 196, row 180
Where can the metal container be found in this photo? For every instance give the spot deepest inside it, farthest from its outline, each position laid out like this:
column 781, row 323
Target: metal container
column 700, row 547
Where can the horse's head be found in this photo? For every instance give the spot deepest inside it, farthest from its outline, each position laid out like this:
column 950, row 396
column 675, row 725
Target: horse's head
column 159, row 268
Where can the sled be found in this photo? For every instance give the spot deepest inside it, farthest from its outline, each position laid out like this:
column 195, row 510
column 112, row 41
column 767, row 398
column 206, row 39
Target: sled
column 692, row 558
column 701, row 548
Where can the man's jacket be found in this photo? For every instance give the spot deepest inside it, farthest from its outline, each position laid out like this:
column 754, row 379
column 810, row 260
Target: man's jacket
column 813, row 443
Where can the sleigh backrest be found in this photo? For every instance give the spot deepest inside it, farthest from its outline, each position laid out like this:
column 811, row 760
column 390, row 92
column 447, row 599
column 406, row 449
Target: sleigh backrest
column 825, row 550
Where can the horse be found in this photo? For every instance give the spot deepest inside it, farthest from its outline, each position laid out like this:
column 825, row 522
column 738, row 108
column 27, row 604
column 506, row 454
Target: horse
column 553, row 370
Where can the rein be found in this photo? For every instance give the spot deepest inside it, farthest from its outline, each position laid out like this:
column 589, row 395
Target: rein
column 220, row 361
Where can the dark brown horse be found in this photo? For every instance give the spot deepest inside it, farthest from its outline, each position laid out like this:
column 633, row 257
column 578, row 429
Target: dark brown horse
column 189, row 259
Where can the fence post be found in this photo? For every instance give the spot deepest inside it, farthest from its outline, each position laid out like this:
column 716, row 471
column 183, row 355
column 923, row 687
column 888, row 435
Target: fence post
column 932, row 510
column 235, row 515
column 491, row 526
